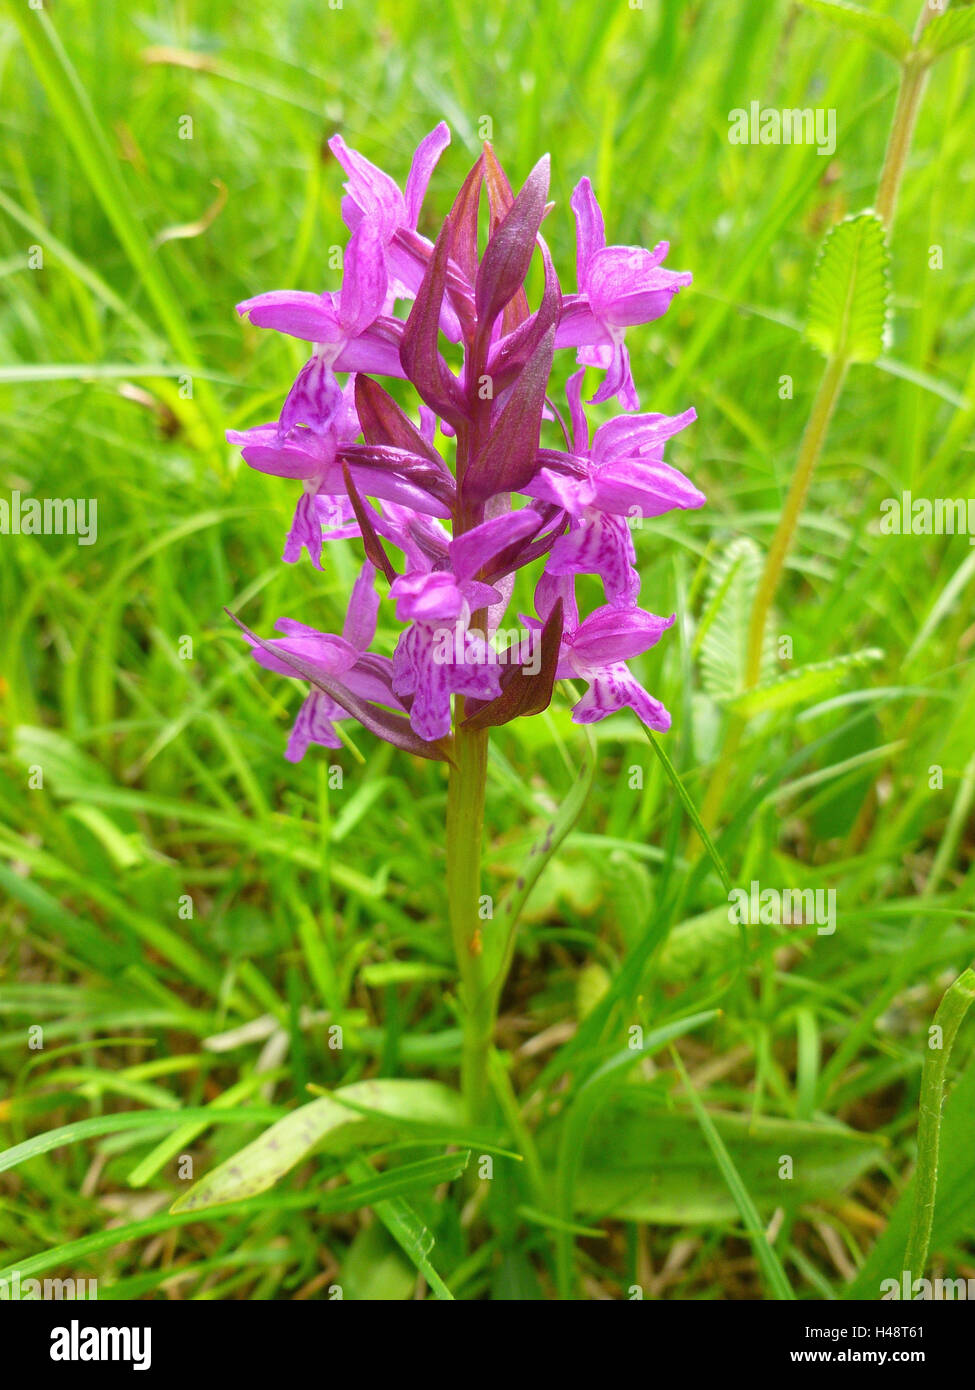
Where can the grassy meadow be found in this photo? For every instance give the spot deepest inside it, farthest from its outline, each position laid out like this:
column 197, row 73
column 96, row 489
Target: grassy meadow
column 194, row 932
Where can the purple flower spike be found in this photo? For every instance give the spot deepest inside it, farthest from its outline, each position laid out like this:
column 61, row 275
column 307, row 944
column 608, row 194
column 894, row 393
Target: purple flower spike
column 427, row 486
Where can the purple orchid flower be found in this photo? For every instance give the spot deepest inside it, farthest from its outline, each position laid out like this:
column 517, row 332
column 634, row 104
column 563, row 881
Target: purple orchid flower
column 318, row 416
column 435, row 508
column 622, row 475
column 440, row 654
column 450, row 543
column 619, row 286
column 597, row 649
column 347, row 658
column 308, row 442
column 373, row 197
column 350, row 327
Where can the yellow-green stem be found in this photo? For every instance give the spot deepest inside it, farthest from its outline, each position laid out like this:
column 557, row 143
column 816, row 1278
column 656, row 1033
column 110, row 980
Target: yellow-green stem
column 909, row 95
column 809, row 450
column 951, row 1011
column 465, row 828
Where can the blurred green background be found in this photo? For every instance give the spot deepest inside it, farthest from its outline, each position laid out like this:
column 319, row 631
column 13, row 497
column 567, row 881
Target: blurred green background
column 161, row 162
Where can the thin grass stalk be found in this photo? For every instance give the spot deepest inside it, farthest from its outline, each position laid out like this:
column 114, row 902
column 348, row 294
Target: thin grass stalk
column 952, row 1009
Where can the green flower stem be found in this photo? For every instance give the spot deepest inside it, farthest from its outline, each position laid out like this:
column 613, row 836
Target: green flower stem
column 914, row 79
column 811, row 447
column 911, row 90
column 809, row 450
column 465, row 812
column 951, row 1011
column 465, row 828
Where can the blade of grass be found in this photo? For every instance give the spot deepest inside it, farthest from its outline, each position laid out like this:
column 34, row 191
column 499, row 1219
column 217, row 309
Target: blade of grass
column 768, row 1260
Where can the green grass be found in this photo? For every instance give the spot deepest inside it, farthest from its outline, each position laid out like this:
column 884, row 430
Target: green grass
column 318, row 906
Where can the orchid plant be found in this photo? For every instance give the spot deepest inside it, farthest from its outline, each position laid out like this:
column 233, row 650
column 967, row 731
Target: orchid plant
column 444, row 544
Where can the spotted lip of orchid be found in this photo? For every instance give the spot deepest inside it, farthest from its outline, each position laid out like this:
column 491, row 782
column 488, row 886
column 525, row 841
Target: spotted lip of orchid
column 446, row 545
column 597, row 650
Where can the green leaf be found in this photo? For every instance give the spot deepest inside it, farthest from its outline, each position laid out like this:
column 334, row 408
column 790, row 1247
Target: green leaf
column 630, row 891
column 369, row 1188
column 125, row 850
column 323, row 1125
column 722, row 638
column 644, row 1163
column 948, row 31
column 65, row 764
column 73, row 1253
column 848, row 298
column 957, row 1001
column 803, row 684
column 374, row 1270
column 591, row 1097
column 771, row 1265
column 692, row 811
column 710, row 938
column 879, row 29
column 382, row 974
column 147, row 1120
column 407, row 1229
column 592, row 984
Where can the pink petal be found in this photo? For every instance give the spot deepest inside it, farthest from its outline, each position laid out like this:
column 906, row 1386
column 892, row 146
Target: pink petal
column 264, row 450
column 370, row 189
column 472, row 550
column 299, row 313
column 630, row 487
column 636, row 434
column 360, row 622
column 428, row 152
column 314, row 725
column 590, row 233
column 615, row 689
column 580, row 425
column 364, row 283
column 610, row 635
